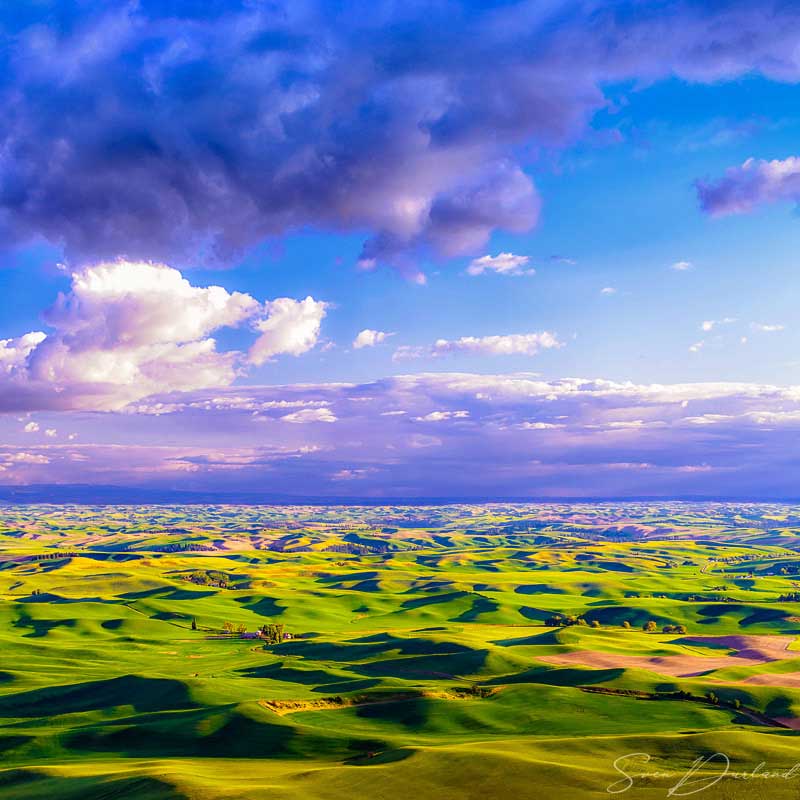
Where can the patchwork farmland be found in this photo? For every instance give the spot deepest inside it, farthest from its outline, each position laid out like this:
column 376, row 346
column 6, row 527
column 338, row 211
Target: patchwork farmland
column 456, row 651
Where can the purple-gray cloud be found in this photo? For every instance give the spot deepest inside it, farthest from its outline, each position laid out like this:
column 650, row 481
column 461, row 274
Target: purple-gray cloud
column 189, row 132
column 754, row 183
column 429, row 435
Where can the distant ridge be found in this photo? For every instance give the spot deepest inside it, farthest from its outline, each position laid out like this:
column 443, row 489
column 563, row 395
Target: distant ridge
column 87, row 494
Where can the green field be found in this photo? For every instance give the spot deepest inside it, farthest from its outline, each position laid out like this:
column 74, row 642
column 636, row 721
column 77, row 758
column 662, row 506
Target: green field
column 448, row 652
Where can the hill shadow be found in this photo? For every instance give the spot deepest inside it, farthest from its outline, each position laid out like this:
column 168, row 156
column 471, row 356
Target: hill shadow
column 144, row 694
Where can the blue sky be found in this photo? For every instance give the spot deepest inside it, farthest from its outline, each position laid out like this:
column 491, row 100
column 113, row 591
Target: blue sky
column 609, row 158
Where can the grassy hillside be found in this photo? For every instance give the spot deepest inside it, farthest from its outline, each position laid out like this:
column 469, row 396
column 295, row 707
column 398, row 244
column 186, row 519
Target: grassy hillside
column 450, row 652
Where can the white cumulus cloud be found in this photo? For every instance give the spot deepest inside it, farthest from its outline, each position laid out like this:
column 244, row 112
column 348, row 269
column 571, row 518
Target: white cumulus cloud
column 290, row 327
column 370, row 338
column 502, row 264
column 307, row 415
column 128, row 330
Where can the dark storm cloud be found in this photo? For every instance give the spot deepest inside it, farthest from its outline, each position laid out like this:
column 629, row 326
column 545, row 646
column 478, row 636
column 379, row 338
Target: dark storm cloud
column 190, row 131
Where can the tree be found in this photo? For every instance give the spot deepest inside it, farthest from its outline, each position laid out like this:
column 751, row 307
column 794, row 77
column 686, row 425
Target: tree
column 680, row 629
column 241, row 628
column 626, row 625
column 194, row 624
column 595, row 623
column 650, row 627
column 227, row 627
column 272, row 632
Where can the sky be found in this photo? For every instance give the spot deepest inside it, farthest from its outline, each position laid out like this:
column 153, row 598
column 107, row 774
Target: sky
column 442, row 249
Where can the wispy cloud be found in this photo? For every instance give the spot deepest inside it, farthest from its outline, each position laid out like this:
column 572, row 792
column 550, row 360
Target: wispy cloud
column 709, row 324
column 515, row 344
column 761, row 327
column 461, row 434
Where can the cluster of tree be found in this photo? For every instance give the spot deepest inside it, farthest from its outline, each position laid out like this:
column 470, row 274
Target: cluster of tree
column 181, row 547
column 54, row 556
column 674, row 629
column 565, row 620
column 349, row 549
column 209, row 578
column 272, row 632
column 229, row 627
column 715, row 700
column 652, row 626
column 710, row 697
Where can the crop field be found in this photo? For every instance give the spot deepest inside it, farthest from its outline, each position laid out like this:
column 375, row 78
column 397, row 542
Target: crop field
column 463, row 651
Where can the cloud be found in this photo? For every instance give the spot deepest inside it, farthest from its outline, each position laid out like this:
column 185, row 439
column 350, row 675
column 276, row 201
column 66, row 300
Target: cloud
column 397, row 120
column 127, row 330
column 307, row 415
column 524, row 344
column 608, row 290
column 682, row 266
column 31, row 427
column 290, row 327
column 523, row 436
column 421, row 441
column 514, row 344
column 539, row 426
column 502, row 264
column 370, row 338
column 351, row 474
column 14, row 352
column 710, row 324
column 441, row 416
column 765, row 328
column 15, row 465
column 753, row 183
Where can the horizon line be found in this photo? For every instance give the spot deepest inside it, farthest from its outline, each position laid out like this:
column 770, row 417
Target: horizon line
column 113, row 494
